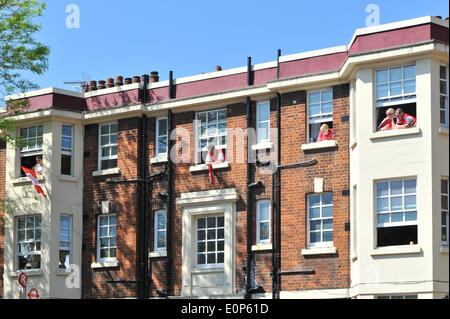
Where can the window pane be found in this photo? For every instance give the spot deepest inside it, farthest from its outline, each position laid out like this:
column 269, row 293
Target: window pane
column 103, row 231
column 443, row 72
column 315, row 225
column 395, row 74
column 327, row 211
column 263, row 131
column 201, row 235
column 315, row 237
column 104, row 140
column 201, row 223
column 410, row 186
column 411, row 216
column 220, row 258
column 442, row 87
column 327, row 224
column 396, row 88
column 114, row 128
column 263, row 111
column 327, row 95
column 161, row 239
column 314, row 97
column 327, row 107
column 212, row 117
column 201, row 259
column 314, row 213
column 201, row 247
column 161, row 221
column 67, row 130
column 220, row 245
column 211, row 258
column 112, row 231
column 113, row 139
column 211, row 246
column 264, row 212
column 444, row 186
column 314, row 109
column 409, row 72
column 382, row 91
column 328, row 236
column 222, row 115
column 382, row 204
column 382, row 189
column 220, row 221
column 410, row 87
column 211, row 222
column 396, row 203
column 396, row 187
column 382, row 76
column 314, row 200
column 383, row 218
column 30, row 222
column 64, row 235
column 444, row 202
column 162, row 128
column 104, row 129
column 162, row 144
column 264, row 231
column 397, row 217
column 66, row 143
column 327, row 199
column 220, row 234
column 21, row 223
column 410, row 202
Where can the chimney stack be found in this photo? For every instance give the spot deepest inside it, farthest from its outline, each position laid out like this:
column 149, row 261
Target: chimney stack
column 154, row 77
column 119, row 80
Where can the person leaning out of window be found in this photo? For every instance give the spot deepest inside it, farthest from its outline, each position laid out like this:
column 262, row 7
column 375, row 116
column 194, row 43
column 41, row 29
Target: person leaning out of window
column 39, row 165
column 389, row 121
column 404, row 120
column 326, row 133
column 214, row 155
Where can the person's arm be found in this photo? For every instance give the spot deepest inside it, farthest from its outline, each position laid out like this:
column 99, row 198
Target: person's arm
column 220, row 157
column 320, row 137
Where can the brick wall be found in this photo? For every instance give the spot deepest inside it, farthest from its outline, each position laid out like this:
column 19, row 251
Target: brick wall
column 332, row 271
column 2, row 212
column 116, row 282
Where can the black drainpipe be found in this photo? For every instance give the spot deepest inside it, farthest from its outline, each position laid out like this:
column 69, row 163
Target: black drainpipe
column 143, row 202
column 278, row 201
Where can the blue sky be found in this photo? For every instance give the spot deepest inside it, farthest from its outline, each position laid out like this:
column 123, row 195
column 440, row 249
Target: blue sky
column 135, row 37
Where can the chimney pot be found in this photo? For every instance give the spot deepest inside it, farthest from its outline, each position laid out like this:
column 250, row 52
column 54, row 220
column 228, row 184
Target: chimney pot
column 84, row 87
column 218, row 68
column 145, row 77
column 92, row 85
column 136, row 79
column 154, row 77
column 439, row 17
column 446, row 19
column 128, row 80
column 119, row 80
column 101, row 84
column 109, row 82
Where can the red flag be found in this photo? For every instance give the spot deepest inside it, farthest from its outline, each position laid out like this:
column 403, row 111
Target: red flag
column 31, row 174
column 211, row 177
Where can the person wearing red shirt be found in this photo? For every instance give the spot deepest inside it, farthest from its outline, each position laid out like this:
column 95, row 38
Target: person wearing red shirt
column 404, row 120
column 325, row 133
column 388, row 122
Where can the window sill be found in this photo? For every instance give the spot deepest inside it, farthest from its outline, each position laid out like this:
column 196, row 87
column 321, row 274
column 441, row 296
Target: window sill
column 396, row 250
column 262, row 146
column 111, row 171
column 444, row 250
column 29, row 273
column 319, row 145
column 157, row 254
column 26, row 180
column 204, row 167
column 319, row 251
column 105, row 264
column 158, row 159
column 443, row 130
column 67, row 178
column 261, row 247
column 207, row 270
column 394, row 133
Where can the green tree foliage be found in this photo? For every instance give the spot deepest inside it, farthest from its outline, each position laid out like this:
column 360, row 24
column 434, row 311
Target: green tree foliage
column 19, row 53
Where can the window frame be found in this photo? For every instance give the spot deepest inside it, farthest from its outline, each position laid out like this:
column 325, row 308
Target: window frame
column 308, row 220
column 395, row 97
column 65, row 151
column 99, row 247
column 258, row 137
column 259, row 221
column 446, row 211
column 446, row 95
column 18, row 242
column 70, row 239
column 100, row 146
column 321, row 115
column 156, row 230
column 34, row 151
column 157, row 136
column 198, row 137
column 206, row 265
column 390, row 212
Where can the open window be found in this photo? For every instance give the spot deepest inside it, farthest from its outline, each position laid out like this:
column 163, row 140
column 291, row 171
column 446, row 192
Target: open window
column 320, row 111
column 396, row 212
column 211, row 129
column 395, row 88
column 32, row 137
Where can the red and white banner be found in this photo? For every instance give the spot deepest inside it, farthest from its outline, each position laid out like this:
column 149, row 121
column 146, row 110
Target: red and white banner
column 31, row 174
column 211, row 176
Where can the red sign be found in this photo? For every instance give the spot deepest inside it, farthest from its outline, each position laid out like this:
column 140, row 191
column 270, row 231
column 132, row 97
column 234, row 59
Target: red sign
column 23, row 279
column 33, row 294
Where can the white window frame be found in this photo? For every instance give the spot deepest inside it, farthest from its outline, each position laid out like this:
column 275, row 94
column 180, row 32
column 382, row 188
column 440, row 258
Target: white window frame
column 67, row 151
column 206, row 265
column 218, row 136
column 322, row 230
column 25, row 151
column 259, row 203
column 100, row 146
column 107, row 259
column 18, row 242
column 391, row 100
column 259, row 139
column 157, row 136
column 69, row 241
column 445, row 211
column 157, row 230
column 445, row 95
column 389, row 211
column 321, row 117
